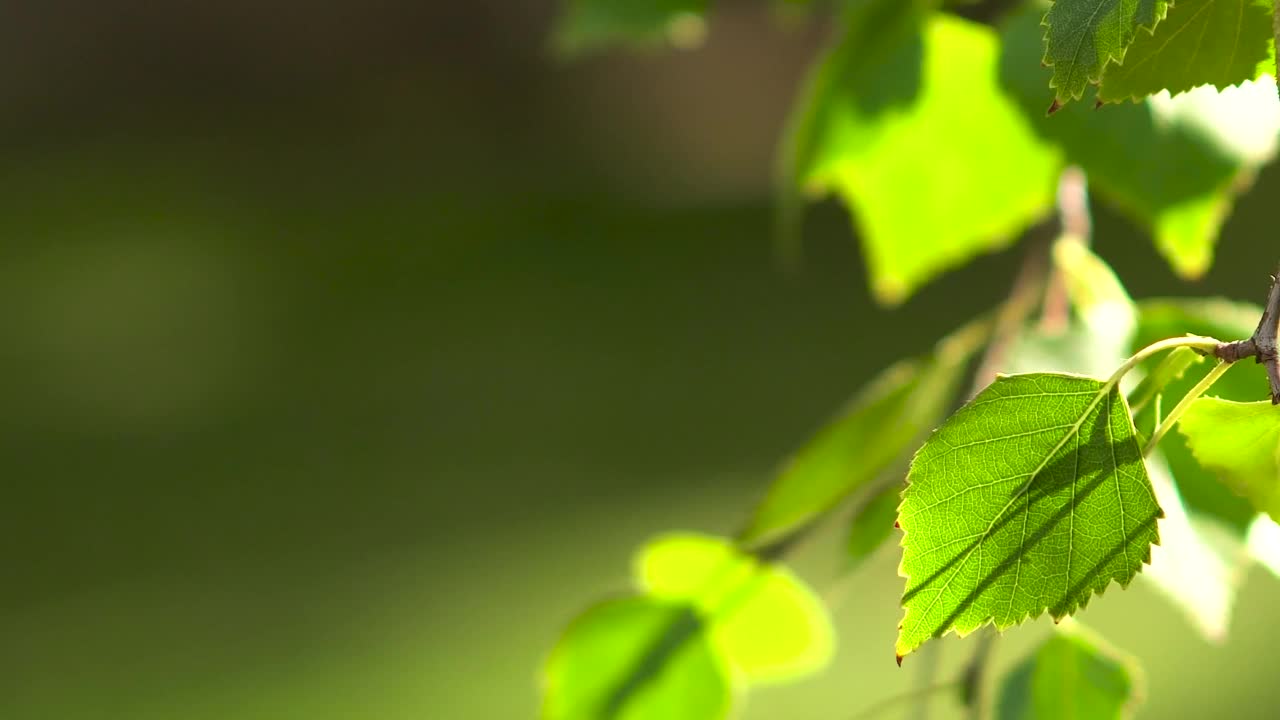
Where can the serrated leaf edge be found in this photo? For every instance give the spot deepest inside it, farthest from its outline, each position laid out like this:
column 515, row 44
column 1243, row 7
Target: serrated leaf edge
column 1103, row 65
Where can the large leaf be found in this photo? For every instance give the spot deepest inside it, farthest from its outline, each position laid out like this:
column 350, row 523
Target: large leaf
column 1082, row 36
column 636, row 659
column 1032, row 497
column 766, row 622
column 1164, row 170
column 586, row 25
column 880, row 425
column 1072, row 676
column 1240, row 443
column 1200, row 42
column 883, row 124
column 1203, row 495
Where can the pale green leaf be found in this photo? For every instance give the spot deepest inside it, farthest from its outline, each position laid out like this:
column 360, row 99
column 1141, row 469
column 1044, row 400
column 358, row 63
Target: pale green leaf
column 1072, row 676
column 889, row 123
column 1032, row 497
column 636, row 659
column 1240, row 444
column 766, row 622
column 1200, row 42
column 1170, row 368
column 586, row 25
column 879, row 426
column 1082, row 36
column 872, row 524
column 1162, row 169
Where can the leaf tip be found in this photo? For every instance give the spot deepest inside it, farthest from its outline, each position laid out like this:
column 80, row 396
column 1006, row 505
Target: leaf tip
column 898, row 658
column 1054, row 107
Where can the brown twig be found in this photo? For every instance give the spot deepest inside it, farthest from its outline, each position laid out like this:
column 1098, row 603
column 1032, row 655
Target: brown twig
column 1262, row 345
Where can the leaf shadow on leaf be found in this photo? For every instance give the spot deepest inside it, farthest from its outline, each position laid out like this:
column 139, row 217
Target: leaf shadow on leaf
column 1053, row 478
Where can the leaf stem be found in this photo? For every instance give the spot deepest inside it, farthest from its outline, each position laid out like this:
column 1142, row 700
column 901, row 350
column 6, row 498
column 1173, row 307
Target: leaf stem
column 1181, row 408
column 1195, row 342
column 924, row 693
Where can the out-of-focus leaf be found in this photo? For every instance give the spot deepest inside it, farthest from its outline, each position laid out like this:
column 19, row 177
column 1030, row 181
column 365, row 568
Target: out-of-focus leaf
column 1166, row 172
column 1072, row 676
column 872, row 524
column 879, row 426
column 636, row 658
column 1032, row 497
column 586, row 25
column 883, row 125
column 1202, row 493
column 763, row 619
column 1170, row 368
column 1240, row 444
column 1263, row 541
column 1082, row 36
column 1194, row 568
column 1200, row 42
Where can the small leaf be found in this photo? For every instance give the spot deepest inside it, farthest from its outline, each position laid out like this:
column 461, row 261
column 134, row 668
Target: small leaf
column 1203, row 495
column 636, row 658
column 880, row 425
column 1033, row 496
column 587, row 25
column 883, row 125
column 1200, row 42
column 1072, row 676
column 1172, row 367
column 766, row 622
column 1159, row 167
column 1240, row 444
column 1082, row 36
column 872, row 524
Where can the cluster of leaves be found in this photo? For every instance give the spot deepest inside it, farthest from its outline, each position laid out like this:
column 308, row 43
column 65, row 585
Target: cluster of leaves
column 1050, row 484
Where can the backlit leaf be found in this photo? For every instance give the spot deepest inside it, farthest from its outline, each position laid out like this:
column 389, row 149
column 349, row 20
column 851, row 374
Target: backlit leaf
column 1082, row 36
column 1240, row 444
column 884, row 125
column 763, row 619
column 636, row 658
column 1072, row 676
column 1032, row 497
column 1200, row 42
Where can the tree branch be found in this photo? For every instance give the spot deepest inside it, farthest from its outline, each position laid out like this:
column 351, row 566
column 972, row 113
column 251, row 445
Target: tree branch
column 1262, row 345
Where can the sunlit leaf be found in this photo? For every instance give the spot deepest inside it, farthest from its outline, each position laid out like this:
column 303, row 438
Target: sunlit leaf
column 1072, row 676
column 1032, row 497
column 1200, row 42
column 884, row 125
column 764, row 620
column 586, row 25
column 1169, row 369
column 1165, row 172
column 872, row 524
column 1240, row 444
column 878, row 428
column 1082, row 36
column 636, row 659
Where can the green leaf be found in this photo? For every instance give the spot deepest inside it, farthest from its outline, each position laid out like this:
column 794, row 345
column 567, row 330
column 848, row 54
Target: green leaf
column 1201, row 42
column 1082, row 36
column 765, row 621
column 1033, row 496
column 883, row 125
column 1153, row 162
column 1204, row 496
column 1072, row 676
column 636, row 658
column 1240, row 444
column 872, row 524
column 879, row 426
column 587, row 25
column 1172, row 367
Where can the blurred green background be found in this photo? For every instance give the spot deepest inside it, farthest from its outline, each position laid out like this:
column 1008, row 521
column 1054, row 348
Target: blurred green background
column 350, row 348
